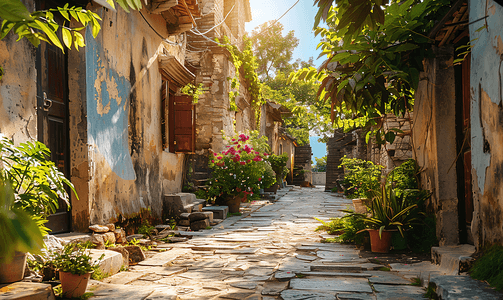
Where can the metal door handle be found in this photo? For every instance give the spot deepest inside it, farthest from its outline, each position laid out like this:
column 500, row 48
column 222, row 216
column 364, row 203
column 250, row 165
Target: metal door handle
column 47, row 102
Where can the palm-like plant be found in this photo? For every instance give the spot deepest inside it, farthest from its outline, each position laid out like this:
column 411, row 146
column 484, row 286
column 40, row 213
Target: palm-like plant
column 388, row 211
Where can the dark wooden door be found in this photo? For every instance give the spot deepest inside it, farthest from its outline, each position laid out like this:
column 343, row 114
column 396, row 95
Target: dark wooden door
column 182, row 124
column 466, row 148
column 52, row 118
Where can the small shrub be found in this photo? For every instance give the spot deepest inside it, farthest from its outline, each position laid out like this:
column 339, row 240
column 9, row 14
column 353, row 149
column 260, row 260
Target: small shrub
column 361, row 177
column 146, row 228
column 489, row 267
column 346, row 227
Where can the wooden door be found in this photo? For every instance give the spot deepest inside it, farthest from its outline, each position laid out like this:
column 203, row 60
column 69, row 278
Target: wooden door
column 466, row 148
column 182, row 118
column 52, row 118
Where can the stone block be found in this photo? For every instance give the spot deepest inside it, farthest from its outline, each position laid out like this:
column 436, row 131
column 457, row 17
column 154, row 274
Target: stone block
column 109, row 237
column 135, row 254
column 110, row 264
column 129, row 238
column 99, row 241
column 219, row 212
column 175, row 204
column 99, row 228
column 120, row 236
column 124, row 252
column 111, row 227
column 198, row 225
column 184, row 222
column 184, row 216
column 197, row 216
column 27, row 290
column 209, row 215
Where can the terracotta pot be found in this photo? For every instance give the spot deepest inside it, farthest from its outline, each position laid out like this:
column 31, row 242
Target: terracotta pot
column 382, row 244
column 13, row 271
column 272, row 189
column 74, row 286
column 234, row 203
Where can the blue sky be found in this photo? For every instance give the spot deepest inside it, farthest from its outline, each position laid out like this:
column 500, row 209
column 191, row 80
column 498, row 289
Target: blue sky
column 300, row 19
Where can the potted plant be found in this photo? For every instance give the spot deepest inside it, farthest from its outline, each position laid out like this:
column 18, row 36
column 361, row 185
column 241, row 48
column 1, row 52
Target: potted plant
column 237, row 172
column 31, row 187
column 388, row 213
column 20, row 234
column 75, row 266
column 278, row 164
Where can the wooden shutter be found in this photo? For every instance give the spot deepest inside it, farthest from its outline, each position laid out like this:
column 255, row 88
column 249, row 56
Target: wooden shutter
column 182, row 123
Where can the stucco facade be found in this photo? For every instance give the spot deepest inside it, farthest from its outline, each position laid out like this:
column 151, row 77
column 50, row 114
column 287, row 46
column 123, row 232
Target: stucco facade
column 486, row 88
column 116, row 156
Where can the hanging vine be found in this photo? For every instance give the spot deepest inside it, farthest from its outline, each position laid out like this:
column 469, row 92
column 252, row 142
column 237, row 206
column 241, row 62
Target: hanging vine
column 246, row 64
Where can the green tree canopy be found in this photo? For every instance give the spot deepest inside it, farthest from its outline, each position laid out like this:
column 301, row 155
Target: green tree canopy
column 272, row 49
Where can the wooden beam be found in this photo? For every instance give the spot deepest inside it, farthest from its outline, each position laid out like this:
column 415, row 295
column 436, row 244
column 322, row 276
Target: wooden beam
column 160, row 6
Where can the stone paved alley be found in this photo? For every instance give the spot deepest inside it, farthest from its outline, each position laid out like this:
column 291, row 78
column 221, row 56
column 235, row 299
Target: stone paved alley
column 261, row 255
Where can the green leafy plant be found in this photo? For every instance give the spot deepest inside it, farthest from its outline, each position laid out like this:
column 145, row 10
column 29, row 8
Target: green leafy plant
column 361, row 177
column 416, row 282
column 109, row 244
column 195, row 91
column 229, row 214
column 146, row 229
column 348, row 228
column 278, row 164
column 390, row 212
column 75, row 259
column 36, row 182
column 489, row 267
column 20, row 231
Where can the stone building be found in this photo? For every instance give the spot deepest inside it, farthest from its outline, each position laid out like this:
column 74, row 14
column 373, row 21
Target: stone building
column 112, row 113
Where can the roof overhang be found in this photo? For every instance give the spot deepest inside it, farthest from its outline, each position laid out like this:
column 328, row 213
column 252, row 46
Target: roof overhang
column 175, row 72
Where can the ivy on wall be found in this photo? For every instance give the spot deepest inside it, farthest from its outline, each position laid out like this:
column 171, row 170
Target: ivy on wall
column 246, row 64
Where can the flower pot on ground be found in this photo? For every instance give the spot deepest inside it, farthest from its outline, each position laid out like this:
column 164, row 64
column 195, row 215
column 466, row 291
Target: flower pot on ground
column 272, row 189
column 73, row 285
column 75, row 266
column 14, row 270
column 234, row 203
column 380, row 243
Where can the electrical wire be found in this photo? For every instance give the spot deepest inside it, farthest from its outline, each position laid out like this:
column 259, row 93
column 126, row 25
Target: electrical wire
column 163, row 38
column 202, row 33
column 275, row 21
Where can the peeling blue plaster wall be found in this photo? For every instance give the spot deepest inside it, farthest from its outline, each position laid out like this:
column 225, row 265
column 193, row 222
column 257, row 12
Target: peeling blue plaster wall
column 485, row 68
column 107, row 109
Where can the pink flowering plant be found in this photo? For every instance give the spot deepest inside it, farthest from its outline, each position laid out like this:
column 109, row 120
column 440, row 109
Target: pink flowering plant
column 238, row 170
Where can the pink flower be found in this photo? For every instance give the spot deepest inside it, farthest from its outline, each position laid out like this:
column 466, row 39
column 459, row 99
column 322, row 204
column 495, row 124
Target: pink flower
column 248, row 161
column 256, row 152
column 213, row 161
column 260, row 179
column 257, row 158
column 233, row 140
column 265, row 154
column 219, row 157
column 242, row 163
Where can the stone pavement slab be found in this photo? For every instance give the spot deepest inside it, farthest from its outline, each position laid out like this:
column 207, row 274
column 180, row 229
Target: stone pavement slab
column 399, row 289
column 26, row 290
column 301, row 295
column 355, row 296
column 463, row 287
column 358, row 285
column 119, row 291
column 272, row 288
column 383, row 277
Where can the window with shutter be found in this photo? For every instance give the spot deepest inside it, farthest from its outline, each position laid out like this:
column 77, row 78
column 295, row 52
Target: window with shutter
column 182, row 124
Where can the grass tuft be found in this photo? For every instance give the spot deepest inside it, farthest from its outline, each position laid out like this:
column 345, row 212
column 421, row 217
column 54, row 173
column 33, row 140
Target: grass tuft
column 489, row 267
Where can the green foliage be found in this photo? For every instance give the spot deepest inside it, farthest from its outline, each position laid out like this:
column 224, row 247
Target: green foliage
column 391, row 212
column 229, row 214
column 98, row 274
column 236, row 171
column 416, row 281
column 361, row 177
column 269, row 177
column 146, row 229
column 431, row 292
column 245, row 64
column 273, row 50
column 321, row 164
column 75, row 259
column 19, row 231
column 348, row 228
column 489, row 267
column 374, row 53
column 195, row 91
column 109, row 244
column 278, row 164
column 36, row 181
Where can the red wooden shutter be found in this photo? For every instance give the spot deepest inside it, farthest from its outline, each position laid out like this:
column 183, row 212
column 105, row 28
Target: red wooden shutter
column 182, row 124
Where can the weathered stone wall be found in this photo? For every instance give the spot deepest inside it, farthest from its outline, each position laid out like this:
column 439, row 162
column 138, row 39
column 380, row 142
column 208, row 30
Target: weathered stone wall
column 434, row 140
column 18, row 90
column 486, row 85
column 392, row 155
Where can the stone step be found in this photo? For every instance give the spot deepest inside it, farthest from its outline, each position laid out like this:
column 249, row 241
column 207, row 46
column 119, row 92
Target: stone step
column 111, row 262
column 219, row 212
column 176, row 204
column 462, row 287
column 453, row 259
